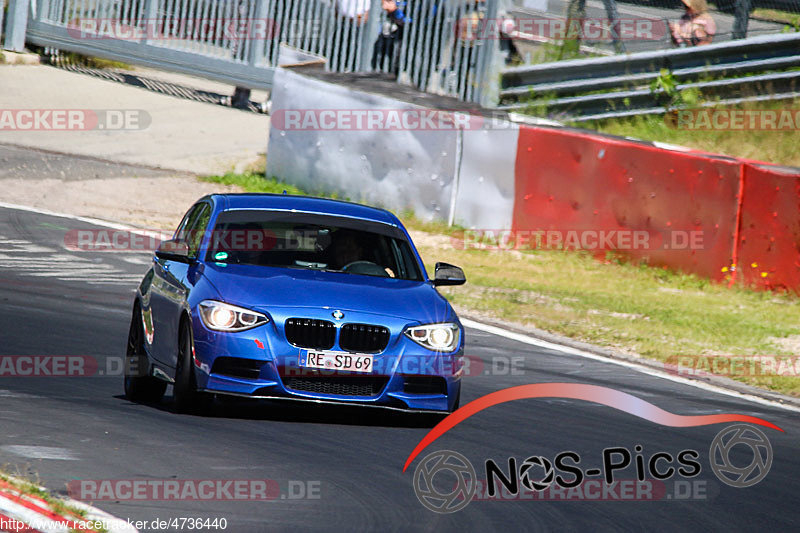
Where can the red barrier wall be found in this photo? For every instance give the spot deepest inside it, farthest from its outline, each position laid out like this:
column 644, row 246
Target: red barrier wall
column 569, row 180
column 769, row 240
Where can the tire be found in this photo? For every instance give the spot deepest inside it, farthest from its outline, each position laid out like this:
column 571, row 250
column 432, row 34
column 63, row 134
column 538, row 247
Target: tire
column 457, row 402
column 187, row 398
column 140, row 387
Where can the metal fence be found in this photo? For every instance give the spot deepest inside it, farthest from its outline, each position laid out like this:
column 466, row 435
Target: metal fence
column 450, row 47
column 333, row 29
column 443, row 49
column 2, row 18
column 200, row 37
column 434, row 45
column 430, row 44
column 606, row 27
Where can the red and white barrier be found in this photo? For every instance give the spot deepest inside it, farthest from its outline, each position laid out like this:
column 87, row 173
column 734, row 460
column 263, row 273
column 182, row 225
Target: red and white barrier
column 22, row 512
column 747, row 212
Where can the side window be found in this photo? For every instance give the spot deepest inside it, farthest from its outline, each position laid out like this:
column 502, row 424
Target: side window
column 407, row 261
column 196, row 229
column 188, row 218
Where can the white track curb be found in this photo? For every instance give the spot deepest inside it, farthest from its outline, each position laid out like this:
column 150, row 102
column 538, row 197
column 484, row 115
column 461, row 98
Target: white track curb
column 38, row 519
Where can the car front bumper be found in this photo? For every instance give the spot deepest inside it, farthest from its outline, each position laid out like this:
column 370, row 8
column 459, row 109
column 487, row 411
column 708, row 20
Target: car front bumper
column 260, row 363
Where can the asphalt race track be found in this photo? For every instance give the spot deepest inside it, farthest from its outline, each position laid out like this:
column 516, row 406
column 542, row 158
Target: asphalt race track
column 59, row 302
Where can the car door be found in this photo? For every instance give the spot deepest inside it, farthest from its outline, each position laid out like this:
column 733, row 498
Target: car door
column 169, row 291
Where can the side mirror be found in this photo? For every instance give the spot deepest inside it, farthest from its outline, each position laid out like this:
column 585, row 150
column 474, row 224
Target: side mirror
column 173, row 250
column 447, row 274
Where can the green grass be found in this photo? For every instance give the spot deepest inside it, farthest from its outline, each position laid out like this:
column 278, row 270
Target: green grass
column 648, row 311
column 99, row 63
column 254, row 182
column 635, row 309
column 777, row 15
column 763, row 145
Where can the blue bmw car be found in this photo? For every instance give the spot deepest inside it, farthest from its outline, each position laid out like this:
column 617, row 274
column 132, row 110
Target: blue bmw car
column 290, row 297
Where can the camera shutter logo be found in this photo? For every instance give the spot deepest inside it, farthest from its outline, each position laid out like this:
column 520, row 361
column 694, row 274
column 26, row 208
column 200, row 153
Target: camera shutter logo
column 525, row 473
column 719, row 455
column 450, row 500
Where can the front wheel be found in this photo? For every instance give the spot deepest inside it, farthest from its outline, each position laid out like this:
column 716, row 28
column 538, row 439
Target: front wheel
column 187, row 397
column 140, row 386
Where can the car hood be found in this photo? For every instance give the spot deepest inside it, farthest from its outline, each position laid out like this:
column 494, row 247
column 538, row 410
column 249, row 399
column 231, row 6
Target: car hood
column 260, row 288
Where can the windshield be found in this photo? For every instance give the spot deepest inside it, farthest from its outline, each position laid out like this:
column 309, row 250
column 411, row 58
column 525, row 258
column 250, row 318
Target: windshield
column 313, row 242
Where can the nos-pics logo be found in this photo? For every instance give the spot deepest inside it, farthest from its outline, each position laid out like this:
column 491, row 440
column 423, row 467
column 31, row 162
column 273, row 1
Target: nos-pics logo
column 445, row 481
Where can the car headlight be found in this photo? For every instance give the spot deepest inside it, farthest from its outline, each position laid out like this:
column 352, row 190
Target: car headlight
column 226, row 317
column 437, row 337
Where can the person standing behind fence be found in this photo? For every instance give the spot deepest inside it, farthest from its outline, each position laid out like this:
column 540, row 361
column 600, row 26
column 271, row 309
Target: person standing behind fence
column 695, row 27
column 351, row 17
column 239, row 28
column 392, row 22
column 468, row 37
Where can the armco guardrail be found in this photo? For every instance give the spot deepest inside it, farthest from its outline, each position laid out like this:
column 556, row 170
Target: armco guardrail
column 771, row 86
column 620, row 84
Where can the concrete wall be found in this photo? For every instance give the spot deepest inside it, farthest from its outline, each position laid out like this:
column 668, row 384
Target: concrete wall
column 485, row 197
column 402, row 169
column 497, row 175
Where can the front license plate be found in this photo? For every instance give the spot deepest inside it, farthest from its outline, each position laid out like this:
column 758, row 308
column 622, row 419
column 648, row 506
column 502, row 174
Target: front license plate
column 350, row 362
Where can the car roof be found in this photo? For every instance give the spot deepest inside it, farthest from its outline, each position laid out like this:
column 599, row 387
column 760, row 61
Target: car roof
column 308, row 204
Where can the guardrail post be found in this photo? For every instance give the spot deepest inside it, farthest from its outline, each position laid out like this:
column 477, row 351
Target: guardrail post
column 257, row 46
column 369, row 33
column 149, row 14
column 576, row 10
column 16, row 25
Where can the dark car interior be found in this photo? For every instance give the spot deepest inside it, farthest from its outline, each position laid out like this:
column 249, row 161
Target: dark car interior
column 311, row 246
